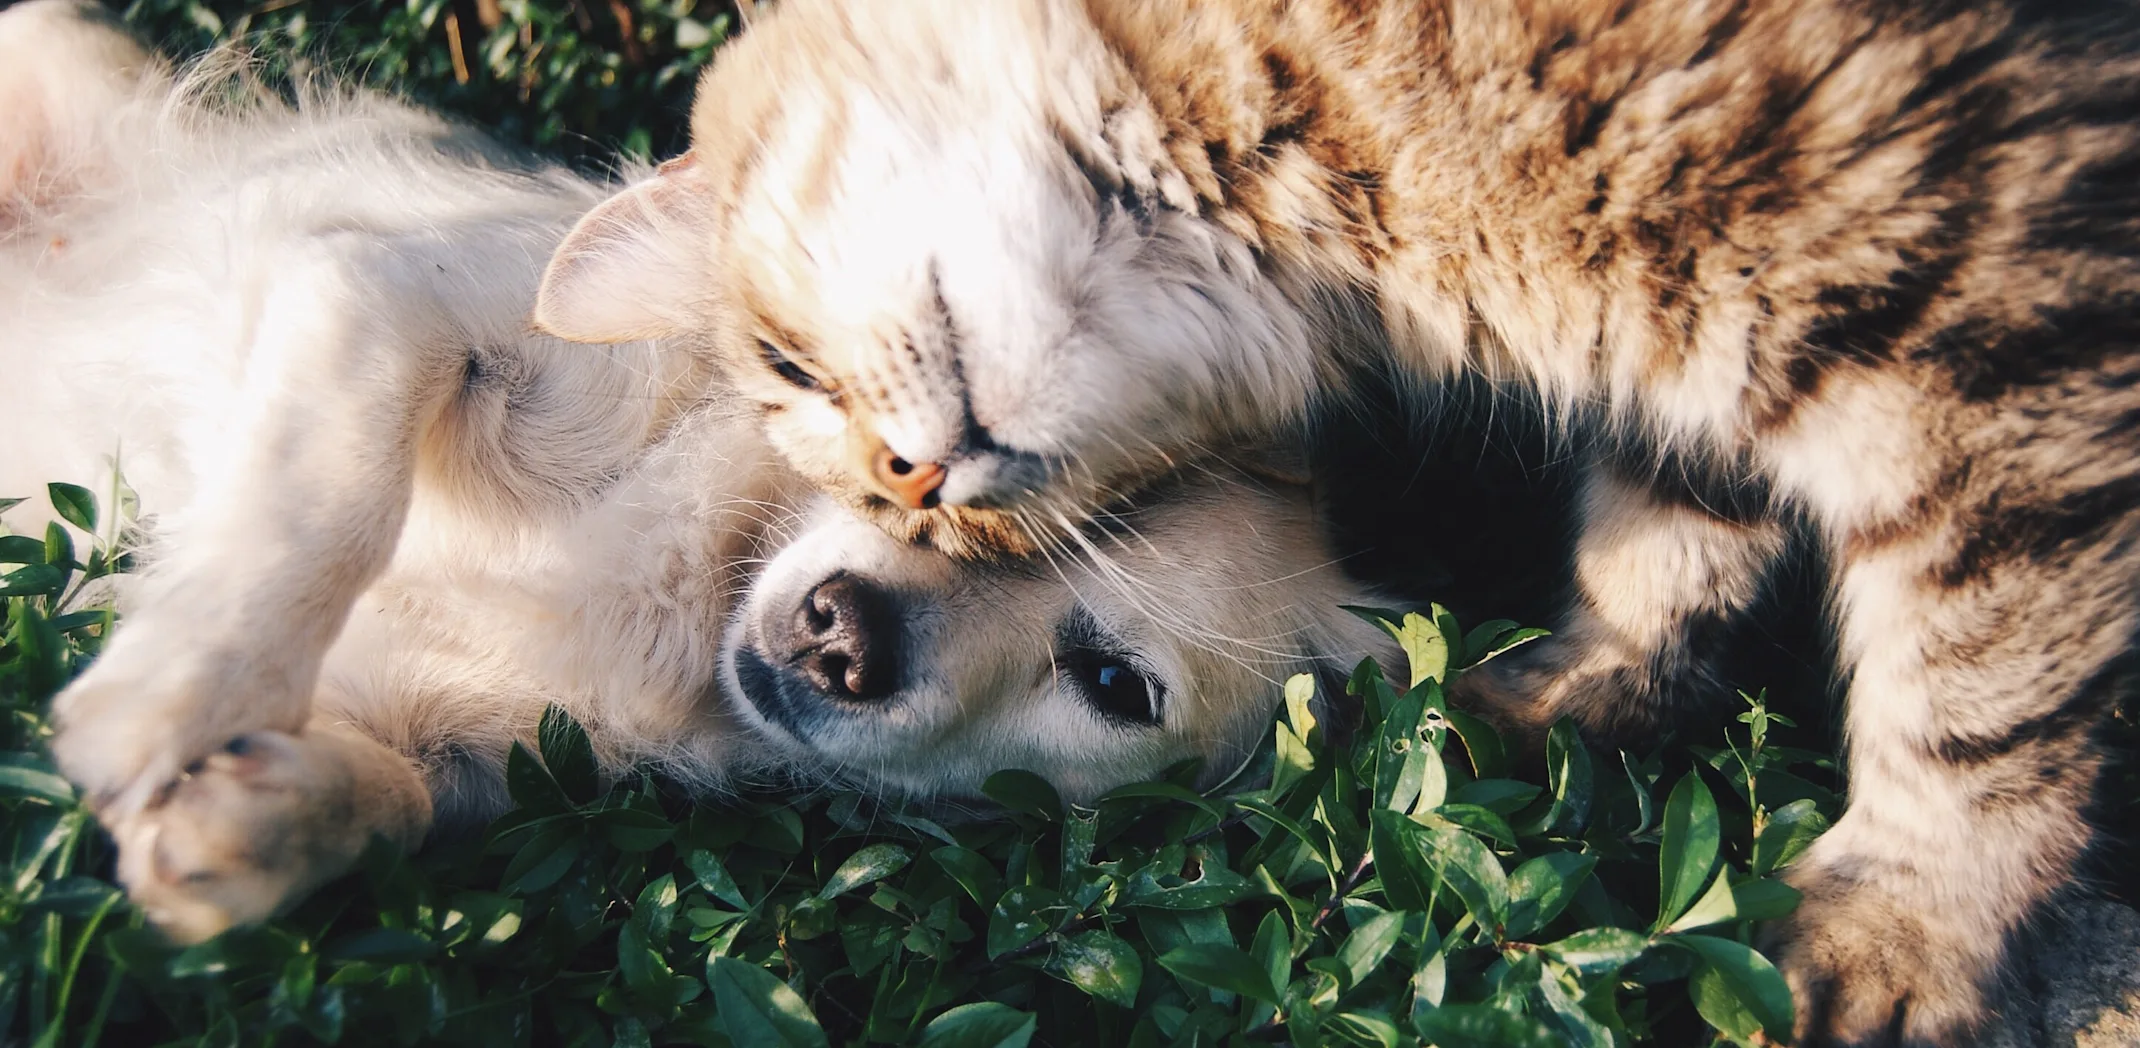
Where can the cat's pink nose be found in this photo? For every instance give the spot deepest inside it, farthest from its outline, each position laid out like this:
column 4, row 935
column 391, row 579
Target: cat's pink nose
column 911, row 484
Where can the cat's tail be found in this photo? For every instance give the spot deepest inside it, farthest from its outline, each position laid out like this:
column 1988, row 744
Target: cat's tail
column 67, row 70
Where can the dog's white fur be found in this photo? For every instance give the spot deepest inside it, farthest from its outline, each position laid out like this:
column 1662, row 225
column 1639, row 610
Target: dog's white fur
column 388, row 524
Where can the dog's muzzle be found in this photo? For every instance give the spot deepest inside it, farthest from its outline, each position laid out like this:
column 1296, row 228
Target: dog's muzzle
column 836, row 653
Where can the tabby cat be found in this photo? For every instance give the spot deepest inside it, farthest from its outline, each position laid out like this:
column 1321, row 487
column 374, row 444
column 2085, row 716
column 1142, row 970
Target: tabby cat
column 1870, row 269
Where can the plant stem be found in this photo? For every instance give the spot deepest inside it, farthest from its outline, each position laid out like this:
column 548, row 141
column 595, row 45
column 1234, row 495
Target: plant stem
column 1352, row 880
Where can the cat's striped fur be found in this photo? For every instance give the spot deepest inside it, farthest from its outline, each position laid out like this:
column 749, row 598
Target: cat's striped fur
column 1873, row 266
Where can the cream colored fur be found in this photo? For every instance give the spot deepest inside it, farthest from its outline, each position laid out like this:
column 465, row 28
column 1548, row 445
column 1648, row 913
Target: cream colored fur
column 387, row 525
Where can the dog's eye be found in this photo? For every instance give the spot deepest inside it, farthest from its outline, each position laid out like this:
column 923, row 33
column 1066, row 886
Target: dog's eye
column 1115, row 687
column 786, row 368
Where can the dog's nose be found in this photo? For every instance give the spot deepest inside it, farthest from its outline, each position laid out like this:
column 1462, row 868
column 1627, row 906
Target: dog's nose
column 845, row 641
column 912, row 484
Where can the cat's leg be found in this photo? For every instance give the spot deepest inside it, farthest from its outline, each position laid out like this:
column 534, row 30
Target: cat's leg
column 297, row 510
column 1661, row 575
column 260, row 823
column 1988, row 629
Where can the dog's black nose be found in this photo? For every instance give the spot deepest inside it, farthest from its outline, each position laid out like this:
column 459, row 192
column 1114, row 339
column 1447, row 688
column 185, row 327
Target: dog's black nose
column 844, row 639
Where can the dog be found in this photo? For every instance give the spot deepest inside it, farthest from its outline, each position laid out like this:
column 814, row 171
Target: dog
column 387, row 525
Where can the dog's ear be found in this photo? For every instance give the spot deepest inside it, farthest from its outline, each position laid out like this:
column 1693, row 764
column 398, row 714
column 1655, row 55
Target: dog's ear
column 636, row 266
column 66, row 67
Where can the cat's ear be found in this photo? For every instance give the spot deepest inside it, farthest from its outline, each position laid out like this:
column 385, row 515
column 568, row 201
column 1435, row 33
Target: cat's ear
column 636, row 266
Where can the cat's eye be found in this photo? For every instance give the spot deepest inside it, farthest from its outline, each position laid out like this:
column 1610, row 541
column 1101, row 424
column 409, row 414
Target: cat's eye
column 785, row 366
column 1115, row 686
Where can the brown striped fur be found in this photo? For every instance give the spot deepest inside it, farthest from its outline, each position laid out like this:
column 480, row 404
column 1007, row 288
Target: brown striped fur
column 1876, row 264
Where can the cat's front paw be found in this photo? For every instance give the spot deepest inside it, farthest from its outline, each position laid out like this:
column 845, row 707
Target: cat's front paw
column 1872, row 965
column 241, row 833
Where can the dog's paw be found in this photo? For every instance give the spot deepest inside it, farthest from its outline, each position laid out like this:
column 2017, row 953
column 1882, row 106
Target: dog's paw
column 1870, row 965
column 241, row 833
column 158, row 700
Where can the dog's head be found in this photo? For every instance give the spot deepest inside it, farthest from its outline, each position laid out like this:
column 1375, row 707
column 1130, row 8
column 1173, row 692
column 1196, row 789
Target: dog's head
column 952, row 254
column 1165, row 634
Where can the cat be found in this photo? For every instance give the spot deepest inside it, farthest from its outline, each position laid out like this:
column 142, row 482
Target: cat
column 388, row 526
column 1864, row 269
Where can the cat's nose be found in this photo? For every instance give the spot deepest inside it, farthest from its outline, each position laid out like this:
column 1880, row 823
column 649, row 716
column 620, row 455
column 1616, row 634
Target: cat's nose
column 915, row 485
column 844, row 639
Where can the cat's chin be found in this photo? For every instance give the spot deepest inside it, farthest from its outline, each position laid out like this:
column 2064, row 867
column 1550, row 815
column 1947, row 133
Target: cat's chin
column 962, row 532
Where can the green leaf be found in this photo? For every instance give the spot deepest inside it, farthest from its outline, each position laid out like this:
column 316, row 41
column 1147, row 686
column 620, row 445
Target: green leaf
column 1482, row 1026
column 1364, row 1029
column 1400, row 859
column 983, row 1024
column 1471, row 871
column 1300, row 706
column 1221, row 967
column 1023, row 914
column 1790, row 831
column 1576, row 1026
column 1480, row 638
column 1489, row 759
column 754, row 1008
column 1478, row 820
column 1216, row 886
column 1763, row 898
column 21, row 549
column 1596, row 951
column 1273, row 949
column 1100, row 964
column 1720, row 1005
column 75, row 504
column 1687, row 853
column 714, row 878
column 1294, row 749
column 1572, row 779
column 8, row 504
column 1081, row 827
column 634, row 829
column 1542, row 887
column 655, row 910
column 1500, row 796
column 972, row 872
column 59, row 546
column 568, row 755
column 1743, row 977
column 1023, row 791
column 23, row 774
column 32, row 580
column 1163, row 791
column 380, row 946
column 1506, row 643
column 1714, row 907
column 867, row 865
column 530, row 784
column 1401, row 755
column 1425, row 648
column 1369, row 944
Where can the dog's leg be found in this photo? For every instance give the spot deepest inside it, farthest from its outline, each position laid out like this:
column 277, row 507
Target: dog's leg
column 349, row 359
column 263, row 821
column 1659, row 578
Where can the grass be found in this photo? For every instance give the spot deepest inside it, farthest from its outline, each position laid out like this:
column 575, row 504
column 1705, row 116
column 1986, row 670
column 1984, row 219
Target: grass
column 1409, row 884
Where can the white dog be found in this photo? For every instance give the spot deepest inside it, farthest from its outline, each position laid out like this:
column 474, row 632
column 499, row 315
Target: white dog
column 388, row 524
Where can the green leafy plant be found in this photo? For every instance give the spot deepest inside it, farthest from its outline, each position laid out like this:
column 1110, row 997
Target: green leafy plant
column 1402, row 882
column 581, row 78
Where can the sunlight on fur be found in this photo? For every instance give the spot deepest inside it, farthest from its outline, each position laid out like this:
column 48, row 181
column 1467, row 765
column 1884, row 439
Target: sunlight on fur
column 387, row 525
